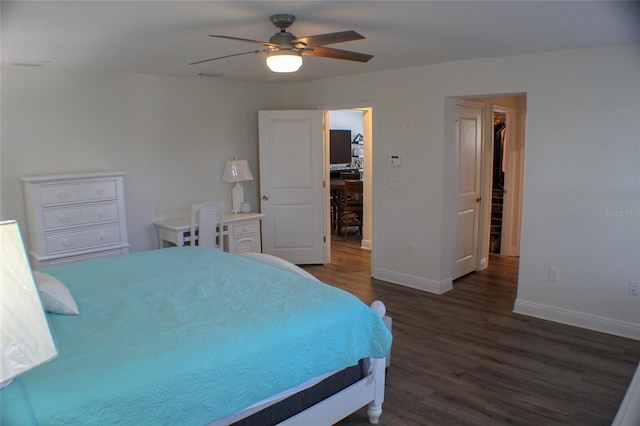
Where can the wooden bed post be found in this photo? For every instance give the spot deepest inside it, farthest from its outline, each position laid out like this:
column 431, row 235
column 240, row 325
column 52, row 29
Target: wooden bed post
column 374, row 409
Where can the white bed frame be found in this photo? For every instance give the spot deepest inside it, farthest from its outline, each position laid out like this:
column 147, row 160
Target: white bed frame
column 367, row 391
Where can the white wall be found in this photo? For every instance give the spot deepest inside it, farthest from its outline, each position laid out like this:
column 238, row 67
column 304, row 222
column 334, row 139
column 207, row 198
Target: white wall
column 346, row 119
column 582, row 166
column 171, row 135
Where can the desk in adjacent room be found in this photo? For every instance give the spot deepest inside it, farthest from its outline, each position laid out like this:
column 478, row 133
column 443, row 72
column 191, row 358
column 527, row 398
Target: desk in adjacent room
column 241, row 232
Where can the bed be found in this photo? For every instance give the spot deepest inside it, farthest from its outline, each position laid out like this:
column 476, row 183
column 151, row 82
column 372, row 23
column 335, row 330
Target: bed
column 194, row 336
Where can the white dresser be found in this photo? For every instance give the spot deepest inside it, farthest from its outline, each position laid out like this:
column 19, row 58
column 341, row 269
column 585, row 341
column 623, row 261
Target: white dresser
column 75, row 217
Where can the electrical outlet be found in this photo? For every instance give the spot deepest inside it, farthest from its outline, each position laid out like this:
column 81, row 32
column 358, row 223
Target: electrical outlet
column 554, row 274
column 634, row 287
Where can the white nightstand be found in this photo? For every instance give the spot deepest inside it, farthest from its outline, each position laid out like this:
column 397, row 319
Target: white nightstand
column 241, row 232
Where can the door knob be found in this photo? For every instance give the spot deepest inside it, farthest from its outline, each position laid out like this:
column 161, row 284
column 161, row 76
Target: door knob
column 265, row 197
column 478, row 199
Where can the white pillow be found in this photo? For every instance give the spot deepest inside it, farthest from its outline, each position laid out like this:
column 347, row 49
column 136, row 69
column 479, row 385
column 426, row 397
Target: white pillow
column 280, row 263
column 55, row 297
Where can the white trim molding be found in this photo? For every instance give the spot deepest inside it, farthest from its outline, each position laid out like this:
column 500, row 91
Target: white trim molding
column 431, row 286
column 578, row 319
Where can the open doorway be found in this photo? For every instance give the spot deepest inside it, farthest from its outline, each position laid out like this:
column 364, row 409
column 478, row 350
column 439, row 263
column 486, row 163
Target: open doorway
column 350, row 158
column 507, row 173
column 502, row 175
column 500, row 139
column 294, row 183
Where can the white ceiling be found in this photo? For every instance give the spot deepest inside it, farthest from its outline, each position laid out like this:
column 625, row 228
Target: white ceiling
column 163, row 37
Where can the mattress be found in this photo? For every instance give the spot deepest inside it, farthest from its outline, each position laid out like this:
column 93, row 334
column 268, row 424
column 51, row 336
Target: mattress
column 184, row 336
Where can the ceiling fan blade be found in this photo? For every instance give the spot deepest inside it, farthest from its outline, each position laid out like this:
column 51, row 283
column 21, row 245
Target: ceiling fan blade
column 246, row 40
column 328, row 52
column 330, row 38
column 226, row 56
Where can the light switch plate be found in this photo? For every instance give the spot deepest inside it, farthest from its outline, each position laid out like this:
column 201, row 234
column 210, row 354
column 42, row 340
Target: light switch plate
column 394, row 161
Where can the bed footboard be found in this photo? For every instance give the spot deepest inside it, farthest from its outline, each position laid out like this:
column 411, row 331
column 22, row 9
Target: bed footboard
column 367, row 391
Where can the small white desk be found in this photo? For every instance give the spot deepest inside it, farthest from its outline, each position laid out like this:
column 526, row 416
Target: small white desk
column 241, row 232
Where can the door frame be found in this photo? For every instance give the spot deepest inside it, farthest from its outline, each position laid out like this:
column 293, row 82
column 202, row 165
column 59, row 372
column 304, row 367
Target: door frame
column 449, row 177
column 368, row 229
column 514, row 177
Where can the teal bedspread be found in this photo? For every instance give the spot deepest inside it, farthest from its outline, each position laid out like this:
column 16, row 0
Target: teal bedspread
column 183, row 336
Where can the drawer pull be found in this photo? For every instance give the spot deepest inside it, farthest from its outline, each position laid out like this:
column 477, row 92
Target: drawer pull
column 62, row 195
column 101, row 215
column 103, row 237
column 99, row 191
column 66, row 243
column 64, row 220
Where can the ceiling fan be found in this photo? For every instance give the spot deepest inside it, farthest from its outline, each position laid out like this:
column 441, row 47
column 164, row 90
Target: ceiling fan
column 284, row 50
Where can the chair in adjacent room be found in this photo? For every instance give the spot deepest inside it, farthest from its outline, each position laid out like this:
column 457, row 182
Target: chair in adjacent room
column 336, row 194
column 350, row 207
column 207, row 218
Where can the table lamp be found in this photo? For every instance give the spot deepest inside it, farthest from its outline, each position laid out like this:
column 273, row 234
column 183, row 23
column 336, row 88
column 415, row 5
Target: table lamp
column 237, row 171
column 25, row 338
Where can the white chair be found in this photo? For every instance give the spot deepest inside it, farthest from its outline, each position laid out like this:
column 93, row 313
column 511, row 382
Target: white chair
column 207, row 217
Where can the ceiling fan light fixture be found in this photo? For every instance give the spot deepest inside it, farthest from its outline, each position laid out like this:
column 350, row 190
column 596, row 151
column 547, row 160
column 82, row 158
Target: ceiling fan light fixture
column 284, row 60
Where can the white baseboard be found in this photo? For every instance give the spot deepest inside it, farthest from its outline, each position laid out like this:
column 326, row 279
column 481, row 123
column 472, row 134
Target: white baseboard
column 413, row 281
column 366, row 244
column 578, row 319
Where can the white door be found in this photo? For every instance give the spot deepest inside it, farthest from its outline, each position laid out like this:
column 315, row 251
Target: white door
column 468, row 139
column 291, row 185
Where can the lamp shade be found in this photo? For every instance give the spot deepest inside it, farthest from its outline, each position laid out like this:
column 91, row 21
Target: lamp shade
column 236, row 171
column 25, row 338
column 284, row 60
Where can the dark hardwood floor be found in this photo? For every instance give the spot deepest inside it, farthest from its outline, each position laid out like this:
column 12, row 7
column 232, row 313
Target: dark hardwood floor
column 464, row 358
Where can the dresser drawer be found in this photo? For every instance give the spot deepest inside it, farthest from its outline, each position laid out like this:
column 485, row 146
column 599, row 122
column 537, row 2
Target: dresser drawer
column 246, row 228
column 65, row 242
column 103, row 236
column 98, row 190
column 69, row 241
column 64, row 218
column 69, row 193
column 59, row 194
column 101, row 213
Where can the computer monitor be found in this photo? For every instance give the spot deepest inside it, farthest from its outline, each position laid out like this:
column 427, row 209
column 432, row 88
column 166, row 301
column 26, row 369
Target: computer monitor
column 340, row 147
